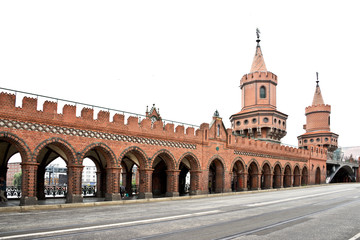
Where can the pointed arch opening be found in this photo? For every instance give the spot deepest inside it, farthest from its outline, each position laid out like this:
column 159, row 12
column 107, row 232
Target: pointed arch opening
column 317, row 176
column 164, row 175
column 237, row 180
column 304, row 176
column 277, row 176
column 54, row 157
column 287, row 176
column 133, row 163
column 253, row 177
column 297, row 176
column 188, row 175
column 266, row 176
column 216, row 176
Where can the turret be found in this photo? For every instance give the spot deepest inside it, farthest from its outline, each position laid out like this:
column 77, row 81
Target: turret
column 317, row 125
column 259, row 118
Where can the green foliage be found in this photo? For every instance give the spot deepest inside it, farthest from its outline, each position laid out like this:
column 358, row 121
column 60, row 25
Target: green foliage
column 18, row 179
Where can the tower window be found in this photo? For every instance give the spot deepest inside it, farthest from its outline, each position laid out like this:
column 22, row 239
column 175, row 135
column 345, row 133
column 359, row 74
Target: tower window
column 262, row 92
column 266, row 120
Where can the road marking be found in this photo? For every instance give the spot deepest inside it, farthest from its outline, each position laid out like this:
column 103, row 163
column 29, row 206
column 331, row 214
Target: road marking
column 355, row 237
column 294, row 198
column 111, row 225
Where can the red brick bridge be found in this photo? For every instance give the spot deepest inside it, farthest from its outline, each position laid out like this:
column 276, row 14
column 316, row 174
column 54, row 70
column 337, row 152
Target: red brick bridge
column 217, row 160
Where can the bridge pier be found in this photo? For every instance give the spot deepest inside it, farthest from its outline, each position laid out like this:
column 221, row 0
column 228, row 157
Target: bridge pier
column 28, row 187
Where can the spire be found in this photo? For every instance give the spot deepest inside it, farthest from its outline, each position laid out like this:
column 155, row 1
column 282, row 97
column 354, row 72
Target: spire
column 258, row 64
column 318, row 99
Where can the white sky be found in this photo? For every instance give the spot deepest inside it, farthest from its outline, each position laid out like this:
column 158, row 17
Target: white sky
column 187, row 57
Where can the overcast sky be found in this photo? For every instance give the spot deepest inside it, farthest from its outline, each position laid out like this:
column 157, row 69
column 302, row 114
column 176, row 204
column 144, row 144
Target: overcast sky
column 187, row 57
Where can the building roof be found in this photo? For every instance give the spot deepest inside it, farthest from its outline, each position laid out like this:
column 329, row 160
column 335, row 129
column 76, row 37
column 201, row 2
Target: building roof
column 318, row 99
column 258, row 64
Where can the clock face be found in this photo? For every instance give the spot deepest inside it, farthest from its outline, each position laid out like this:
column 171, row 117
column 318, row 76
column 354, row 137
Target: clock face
column 153, row 119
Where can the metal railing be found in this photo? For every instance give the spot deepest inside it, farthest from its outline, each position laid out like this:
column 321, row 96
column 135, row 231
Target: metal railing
column 95, row 106
column 51, row 191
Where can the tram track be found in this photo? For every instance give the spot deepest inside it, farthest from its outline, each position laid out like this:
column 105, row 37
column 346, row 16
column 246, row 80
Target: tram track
column 81, row 230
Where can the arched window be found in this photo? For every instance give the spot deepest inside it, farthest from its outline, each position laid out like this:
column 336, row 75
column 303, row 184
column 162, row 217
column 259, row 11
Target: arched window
column 218, row 130
column 262, row 92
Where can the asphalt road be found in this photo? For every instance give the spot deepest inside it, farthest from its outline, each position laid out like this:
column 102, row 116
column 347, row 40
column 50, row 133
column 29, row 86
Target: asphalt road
column 324, row 212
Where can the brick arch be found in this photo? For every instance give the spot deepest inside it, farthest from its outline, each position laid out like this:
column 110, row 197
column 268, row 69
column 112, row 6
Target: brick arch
column 63, row 144
column 296, row 165
column 216, row 156
column 236, row 160
column 140, row 155
column 110, row 158
column 268, row 163
column 277, row 163
column 20, row 144
column 253, row 160
column 194, row 162
column 170, row 161
column 288, row 164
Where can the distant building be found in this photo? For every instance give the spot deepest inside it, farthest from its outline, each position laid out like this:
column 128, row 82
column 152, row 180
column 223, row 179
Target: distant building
column 13, row 168
column 89, row 175
column 54, row 175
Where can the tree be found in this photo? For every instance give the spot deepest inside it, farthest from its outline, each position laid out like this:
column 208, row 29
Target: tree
column 18, row 179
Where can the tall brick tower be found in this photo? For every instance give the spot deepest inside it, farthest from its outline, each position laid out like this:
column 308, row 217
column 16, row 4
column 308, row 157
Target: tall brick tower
column 318, row 124
column 258, row 117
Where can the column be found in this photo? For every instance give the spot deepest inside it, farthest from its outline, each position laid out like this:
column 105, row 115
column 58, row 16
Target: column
column 74, row 190
column 195, row 182
column 112, row 184
column 245, row 179
column 172, row 184
column 28, row 187
column 145, row 182
column 98, row 185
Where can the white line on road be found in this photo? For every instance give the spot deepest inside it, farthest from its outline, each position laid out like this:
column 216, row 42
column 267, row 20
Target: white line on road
column 294, row 198
column 110, row 225
column 357, row 236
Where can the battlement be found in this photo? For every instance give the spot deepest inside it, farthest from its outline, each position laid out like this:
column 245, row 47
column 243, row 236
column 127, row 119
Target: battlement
column 318, row 108
column 49, row 115
column 273, row 149
column 266, row 76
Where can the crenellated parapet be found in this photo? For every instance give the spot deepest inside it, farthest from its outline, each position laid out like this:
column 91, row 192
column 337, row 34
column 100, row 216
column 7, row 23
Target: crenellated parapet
column 49, row 116
column 318, row 108
column 256, row 76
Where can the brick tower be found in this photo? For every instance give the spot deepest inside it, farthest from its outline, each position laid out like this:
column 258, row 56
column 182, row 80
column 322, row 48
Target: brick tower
column 258, row 117
column 318, row 124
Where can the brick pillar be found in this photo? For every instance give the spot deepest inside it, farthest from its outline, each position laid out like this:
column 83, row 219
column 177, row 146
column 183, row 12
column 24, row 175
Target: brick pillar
column 227, row 181
column 244, row 179
column 145, row 188
column 172, row 183
column 41, row 183
column 256, row 182
column 28, row 187
column 98, row 184
column 123, row 178
column 271, row 180
column 195, row 182
column 281, row 180
column 74, row 190
column 112, row 184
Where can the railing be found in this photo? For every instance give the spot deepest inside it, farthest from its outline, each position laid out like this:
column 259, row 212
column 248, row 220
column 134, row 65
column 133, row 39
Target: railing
column 51, row 191
column 97, row 107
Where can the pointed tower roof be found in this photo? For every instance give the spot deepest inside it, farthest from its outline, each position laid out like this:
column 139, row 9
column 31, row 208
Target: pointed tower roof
column 318, row 99
column 258, row 64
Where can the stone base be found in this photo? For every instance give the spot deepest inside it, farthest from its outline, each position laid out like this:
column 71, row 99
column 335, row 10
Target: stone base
column 28, row 201
column 195, row 192
column 143, row 195
column 73, row 198
column 112, row 197
column 171, row 194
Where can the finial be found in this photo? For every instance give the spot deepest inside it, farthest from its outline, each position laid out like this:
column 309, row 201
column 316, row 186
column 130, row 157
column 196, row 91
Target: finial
column 216, row 113
column 317, row 79
column 258, row 36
